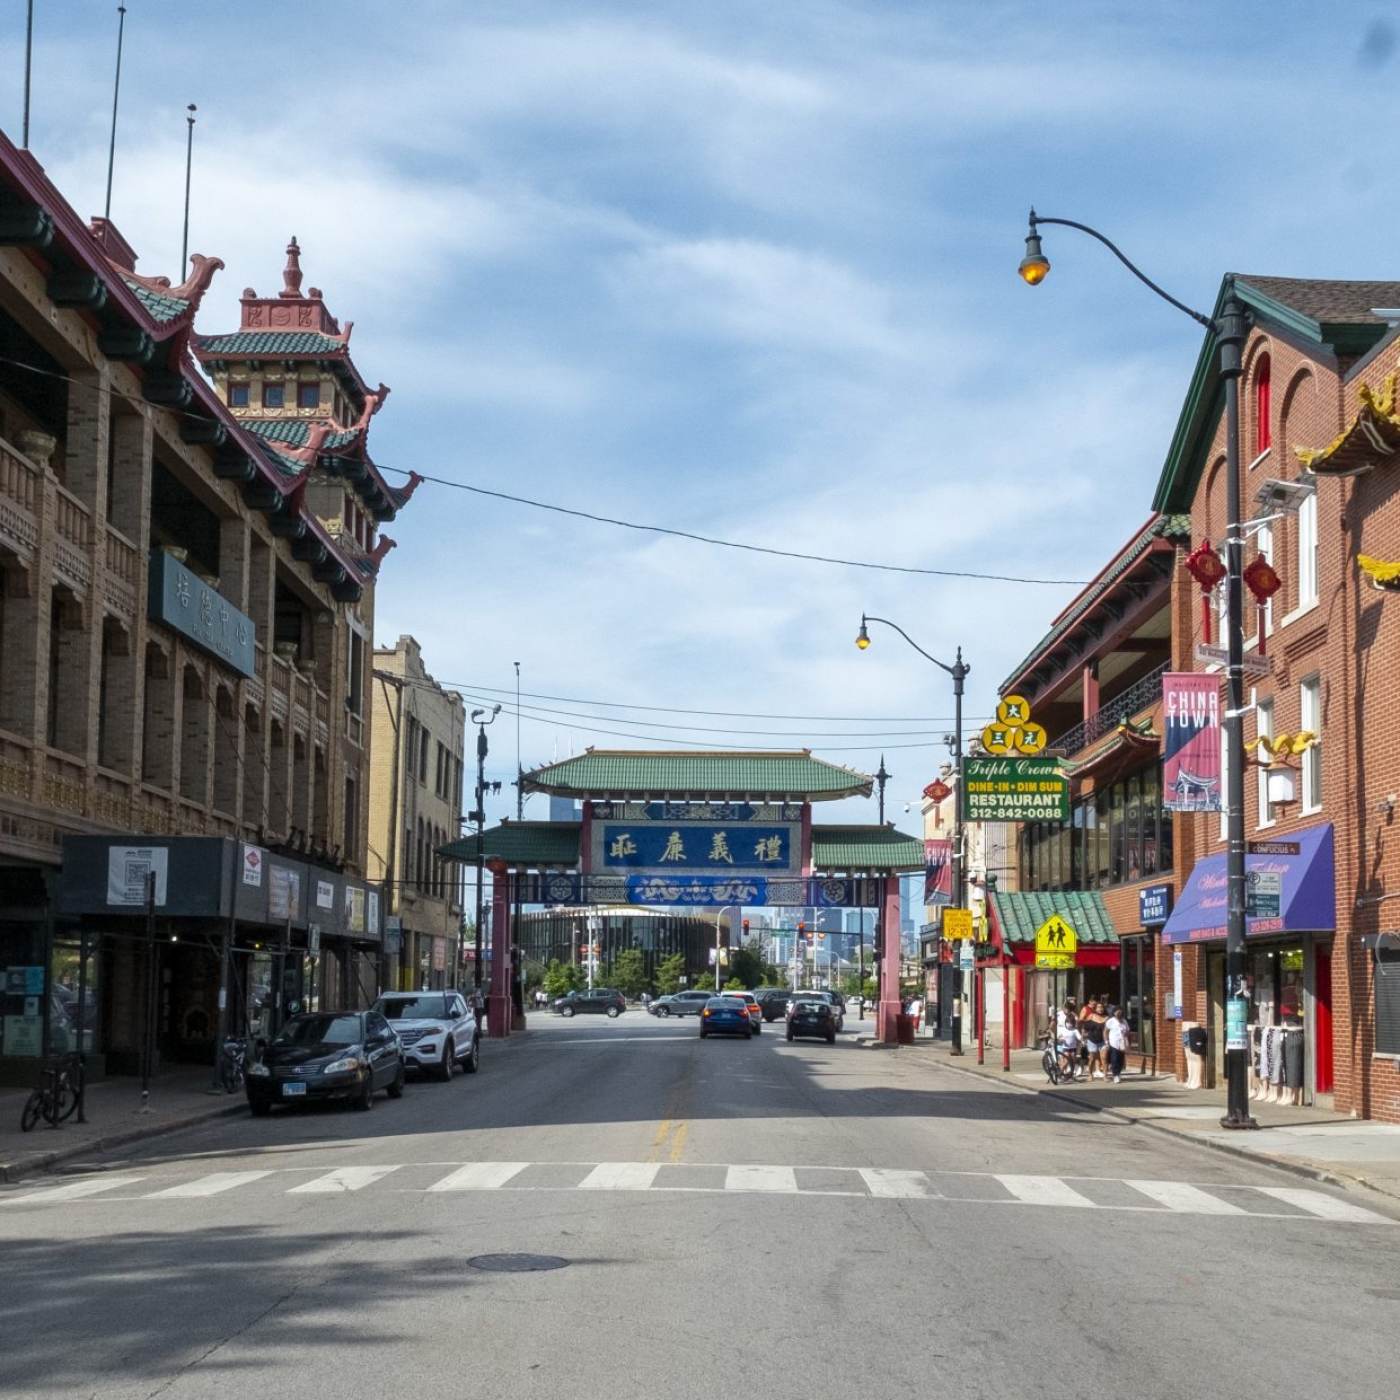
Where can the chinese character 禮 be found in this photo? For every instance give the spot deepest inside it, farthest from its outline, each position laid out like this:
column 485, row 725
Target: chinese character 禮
column 769, row 848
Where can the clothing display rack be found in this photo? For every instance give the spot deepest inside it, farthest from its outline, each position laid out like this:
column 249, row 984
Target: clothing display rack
column 1276, row 1063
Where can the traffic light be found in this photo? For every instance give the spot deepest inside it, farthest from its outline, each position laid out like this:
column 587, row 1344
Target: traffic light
column 746, row 928
column 801, row 929
column 821, row 937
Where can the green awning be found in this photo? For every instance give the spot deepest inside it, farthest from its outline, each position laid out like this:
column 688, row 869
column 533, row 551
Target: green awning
column 1019, row 914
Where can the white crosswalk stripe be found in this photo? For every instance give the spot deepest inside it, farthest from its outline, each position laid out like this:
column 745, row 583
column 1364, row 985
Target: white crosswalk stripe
column 342, row 1179
column 1044, row 1191
column 1190, row 1200
column 213, row 1185
column 945, row 1189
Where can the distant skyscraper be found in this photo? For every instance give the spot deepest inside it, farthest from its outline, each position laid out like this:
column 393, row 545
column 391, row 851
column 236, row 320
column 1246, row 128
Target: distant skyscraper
column 564, row 809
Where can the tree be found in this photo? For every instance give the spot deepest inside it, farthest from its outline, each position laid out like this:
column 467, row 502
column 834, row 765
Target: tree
column 629, row 972
column 669, row 974
column 705, row 982
column 560, row 978
column 746, row 968
column 735, row 984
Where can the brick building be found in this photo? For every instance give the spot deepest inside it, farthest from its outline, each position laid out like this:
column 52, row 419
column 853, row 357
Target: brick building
column 415, row 797
column 186, row 598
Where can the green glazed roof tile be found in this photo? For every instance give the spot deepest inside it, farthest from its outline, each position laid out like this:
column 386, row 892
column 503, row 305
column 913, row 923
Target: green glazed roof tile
column 294, row 431
column 521, row 843
column 865, row 848
column 270, row 343
column 618, row 773
column 1020, row 914
column 159, row 306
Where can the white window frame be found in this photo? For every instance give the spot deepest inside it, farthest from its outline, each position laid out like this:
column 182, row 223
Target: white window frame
column 1264, row 729
column 1310, row 717
column 1307, row 553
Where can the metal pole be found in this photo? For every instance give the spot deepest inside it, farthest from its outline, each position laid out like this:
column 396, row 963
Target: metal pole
column 480, row 816
column 519, row 771
column 82, row 1017
column 189, row 161
column 959, row 673
column 1230, row 333
column 116, row 92
column 28, row 64
column 147, row 1030
column 225, row 968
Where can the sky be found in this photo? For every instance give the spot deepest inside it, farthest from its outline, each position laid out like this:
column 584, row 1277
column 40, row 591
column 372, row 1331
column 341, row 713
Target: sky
column 745, row 271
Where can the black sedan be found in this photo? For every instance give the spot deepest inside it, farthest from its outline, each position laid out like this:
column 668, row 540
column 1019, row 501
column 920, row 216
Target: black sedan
column 726, row 1016
column 327, row 1055
column 810, row 1016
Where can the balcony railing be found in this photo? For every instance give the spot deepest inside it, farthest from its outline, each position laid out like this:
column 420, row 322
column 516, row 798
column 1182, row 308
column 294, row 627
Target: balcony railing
column 73, row 518
column 17, row 478
column 122, row 559
column 1107, row 718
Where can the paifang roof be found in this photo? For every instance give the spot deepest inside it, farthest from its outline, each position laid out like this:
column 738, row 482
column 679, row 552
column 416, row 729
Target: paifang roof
column 841, row 848
column 521, row 844
column 791, row 774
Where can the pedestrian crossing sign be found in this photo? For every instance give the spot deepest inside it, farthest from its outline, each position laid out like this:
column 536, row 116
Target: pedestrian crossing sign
column 1056, row 943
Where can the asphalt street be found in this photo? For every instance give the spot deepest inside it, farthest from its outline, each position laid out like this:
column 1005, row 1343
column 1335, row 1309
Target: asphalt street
column 734, row 1217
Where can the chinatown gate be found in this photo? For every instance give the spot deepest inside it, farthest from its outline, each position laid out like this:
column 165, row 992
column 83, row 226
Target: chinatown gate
column 699, row 830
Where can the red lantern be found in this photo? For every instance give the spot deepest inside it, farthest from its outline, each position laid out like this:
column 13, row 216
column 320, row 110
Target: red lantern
column 1204, row 565
column 937, row 790
column 1263, row 581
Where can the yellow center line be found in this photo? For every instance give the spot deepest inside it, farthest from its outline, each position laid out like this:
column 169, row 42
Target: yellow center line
column 658, row 1142
column 678, row 1140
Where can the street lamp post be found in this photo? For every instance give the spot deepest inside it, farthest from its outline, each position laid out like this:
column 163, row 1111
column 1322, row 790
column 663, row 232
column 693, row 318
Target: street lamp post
column 478, row 815
column 1229, row 331
column 959, row 671
column 719, row 918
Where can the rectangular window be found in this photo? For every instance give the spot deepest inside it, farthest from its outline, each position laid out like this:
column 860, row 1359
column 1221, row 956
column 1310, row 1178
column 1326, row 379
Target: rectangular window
column 238, row 396
column 1117, row 836
column 354, row 696
column 352, row 810
column 1133, row 809
column 1264, row 728
column 423, row 756
column 1307, row 552
column 273, row 396
column 308, row 396
column 1310, row 718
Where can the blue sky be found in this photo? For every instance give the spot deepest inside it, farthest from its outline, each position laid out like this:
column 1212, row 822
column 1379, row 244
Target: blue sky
column 747, row 271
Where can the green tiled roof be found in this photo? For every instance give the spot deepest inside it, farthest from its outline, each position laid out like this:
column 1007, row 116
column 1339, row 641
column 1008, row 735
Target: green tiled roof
column 620, row 773
column 521, row 843
column 865, row 848
column 1083, row 910
column 159, row 306
column 270, row 343
column 294, row 431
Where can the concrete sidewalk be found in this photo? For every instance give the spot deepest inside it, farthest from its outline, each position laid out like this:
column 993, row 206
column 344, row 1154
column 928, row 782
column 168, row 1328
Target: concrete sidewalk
column 1311, row 1142
column 178, row 1099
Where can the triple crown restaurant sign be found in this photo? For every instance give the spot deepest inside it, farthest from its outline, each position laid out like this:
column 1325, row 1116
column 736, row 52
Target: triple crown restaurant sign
column 1014, row 790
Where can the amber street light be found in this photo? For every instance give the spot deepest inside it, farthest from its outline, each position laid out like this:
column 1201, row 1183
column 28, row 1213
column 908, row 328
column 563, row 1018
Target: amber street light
column 863, row 636
column 1035, row 264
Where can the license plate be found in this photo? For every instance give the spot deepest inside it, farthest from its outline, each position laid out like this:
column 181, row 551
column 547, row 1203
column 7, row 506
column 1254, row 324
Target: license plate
column 291, row 1091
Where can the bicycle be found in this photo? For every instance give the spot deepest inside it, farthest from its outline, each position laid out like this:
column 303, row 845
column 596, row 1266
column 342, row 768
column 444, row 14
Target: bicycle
column 233, row 1061
column 58, row 1096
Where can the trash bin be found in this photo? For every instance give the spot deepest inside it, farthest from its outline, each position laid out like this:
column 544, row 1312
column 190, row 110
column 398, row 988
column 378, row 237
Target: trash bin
column 904, row 1029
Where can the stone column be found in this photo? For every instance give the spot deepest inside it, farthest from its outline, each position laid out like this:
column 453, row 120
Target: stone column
column 886, row 1028
column 498, row 1006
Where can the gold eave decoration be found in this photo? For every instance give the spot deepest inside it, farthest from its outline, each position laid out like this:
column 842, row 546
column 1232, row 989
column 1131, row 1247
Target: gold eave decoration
column 1374, row 435
column 1281, row 747
column 1384, row 577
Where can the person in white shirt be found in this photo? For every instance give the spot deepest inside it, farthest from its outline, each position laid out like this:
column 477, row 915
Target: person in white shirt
column 1116, row 1029
column 1067, row 1037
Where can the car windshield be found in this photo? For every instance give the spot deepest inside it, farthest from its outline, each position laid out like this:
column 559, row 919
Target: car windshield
column 420, row 1008
column 728, row 1003
column 810, row 1004
column 333, row 1031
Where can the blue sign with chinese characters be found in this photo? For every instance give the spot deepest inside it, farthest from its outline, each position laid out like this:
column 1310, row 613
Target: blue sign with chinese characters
column 697, row 890
column 1154, row 905
column 180, row 599
column 669, row 847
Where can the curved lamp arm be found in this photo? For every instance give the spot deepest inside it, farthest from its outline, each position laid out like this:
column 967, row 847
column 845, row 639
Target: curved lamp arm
column 957, row 670
column 1122, row 257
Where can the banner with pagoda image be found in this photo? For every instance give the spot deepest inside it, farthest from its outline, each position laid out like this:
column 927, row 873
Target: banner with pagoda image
column 1191, row 780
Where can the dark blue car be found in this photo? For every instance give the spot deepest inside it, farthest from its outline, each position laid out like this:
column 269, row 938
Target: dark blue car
column 725, row 1016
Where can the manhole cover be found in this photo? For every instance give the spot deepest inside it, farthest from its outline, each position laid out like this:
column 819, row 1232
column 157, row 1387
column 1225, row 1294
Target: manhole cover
column 517, row 1263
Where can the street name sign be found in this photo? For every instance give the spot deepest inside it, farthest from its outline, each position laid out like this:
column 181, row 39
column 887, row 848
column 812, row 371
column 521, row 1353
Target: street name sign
column 1254, row 664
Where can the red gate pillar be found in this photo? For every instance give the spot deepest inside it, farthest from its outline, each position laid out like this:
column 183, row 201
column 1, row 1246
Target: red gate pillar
column 498, row 1005
column 887, row 1013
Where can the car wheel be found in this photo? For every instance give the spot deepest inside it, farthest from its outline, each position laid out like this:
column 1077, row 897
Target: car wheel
column 789, row 1034
column 444, row 1070
column 663, row 1010
column 258, row 1108
column 613, row 1012
column 703, row 1032
column 471, row 1062
column 566, row 1010
column 758, row 1027
column 396, row 1088
column 831, row 1037
column 364, row 1100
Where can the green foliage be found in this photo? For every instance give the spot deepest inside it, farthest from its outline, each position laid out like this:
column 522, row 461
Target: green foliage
column 733, row 984
column 560, row 978
column 705, row 982
column 745, row 968
column 669, row 973
column 629, row 972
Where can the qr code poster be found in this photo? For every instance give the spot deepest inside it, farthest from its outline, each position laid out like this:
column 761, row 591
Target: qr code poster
column 129, row 869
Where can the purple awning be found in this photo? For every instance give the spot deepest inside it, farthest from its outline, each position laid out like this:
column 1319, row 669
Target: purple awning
column 1307, row 900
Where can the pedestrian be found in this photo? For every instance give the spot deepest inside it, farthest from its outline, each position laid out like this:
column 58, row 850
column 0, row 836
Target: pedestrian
column 1092, row 1023
column 1116, row 1029
column 1067, row 1037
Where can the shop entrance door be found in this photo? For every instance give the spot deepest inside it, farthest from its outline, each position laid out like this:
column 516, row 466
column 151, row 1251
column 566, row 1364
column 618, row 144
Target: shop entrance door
column 1322, row 1031
column 1215, row 989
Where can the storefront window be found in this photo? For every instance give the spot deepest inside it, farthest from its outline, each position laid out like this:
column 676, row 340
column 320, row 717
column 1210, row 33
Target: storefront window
column 1139, row 992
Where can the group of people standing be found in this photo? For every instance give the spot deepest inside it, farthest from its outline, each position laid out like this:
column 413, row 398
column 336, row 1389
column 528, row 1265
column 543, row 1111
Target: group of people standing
column 1092, row 1043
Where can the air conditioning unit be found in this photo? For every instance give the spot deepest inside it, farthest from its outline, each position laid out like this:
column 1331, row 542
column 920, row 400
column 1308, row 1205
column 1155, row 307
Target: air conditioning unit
column 1275, row 496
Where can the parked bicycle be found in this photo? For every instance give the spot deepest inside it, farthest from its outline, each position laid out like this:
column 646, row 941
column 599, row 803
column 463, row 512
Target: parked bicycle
column 58, row 1096
column 233, row 1063
column 1052, row 1062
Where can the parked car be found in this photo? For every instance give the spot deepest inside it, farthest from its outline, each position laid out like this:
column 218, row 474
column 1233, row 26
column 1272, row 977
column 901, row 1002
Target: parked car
column 773, row 1001
column 600, row 1001
column 688, row 1003
column 751, row 1006
column 725, row 1016
column 833, row 999
column 437, row 1030
column 812, row 1016
column 327, row 1055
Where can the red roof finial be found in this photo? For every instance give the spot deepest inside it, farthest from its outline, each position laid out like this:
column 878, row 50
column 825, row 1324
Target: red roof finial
column 291, row 274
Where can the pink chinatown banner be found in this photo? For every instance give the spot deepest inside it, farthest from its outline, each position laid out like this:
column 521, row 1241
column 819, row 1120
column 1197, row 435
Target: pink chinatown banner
column 938, row 871
column 1191, row 750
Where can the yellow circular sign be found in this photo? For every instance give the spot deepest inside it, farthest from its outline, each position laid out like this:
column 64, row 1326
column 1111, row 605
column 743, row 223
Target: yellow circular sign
column 1031, row 738
column 998, row 739
column 1013, row 709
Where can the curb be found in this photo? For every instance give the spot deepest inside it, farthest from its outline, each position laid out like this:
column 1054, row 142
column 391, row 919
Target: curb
column 1309, row 1173
column 35, row 1162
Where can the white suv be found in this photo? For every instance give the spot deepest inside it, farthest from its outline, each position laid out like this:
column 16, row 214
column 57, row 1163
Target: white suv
column 436, row 1029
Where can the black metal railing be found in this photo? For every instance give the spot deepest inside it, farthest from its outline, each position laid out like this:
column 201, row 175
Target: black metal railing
column 1107, row 718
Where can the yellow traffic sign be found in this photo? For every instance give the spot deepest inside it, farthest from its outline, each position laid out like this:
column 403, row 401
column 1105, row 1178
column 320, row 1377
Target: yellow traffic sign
column 957, row 924
column 1056, row 943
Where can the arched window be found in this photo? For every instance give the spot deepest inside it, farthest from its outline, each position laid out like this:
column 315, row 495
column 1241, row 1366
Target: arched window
column 1263, row 430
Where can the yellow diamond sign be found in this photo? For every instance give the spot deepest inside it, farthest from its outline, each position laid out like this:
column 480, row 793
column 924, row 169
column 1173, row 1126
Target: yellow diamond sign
column 1056, row 943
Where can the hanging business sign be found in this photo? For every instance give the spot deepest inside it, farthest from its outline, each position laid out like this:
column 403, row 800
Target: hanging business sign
column 1154, row 905
column 1174, row 1007
column 1014, row 790
column 180, row 599
column 1191, row 747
